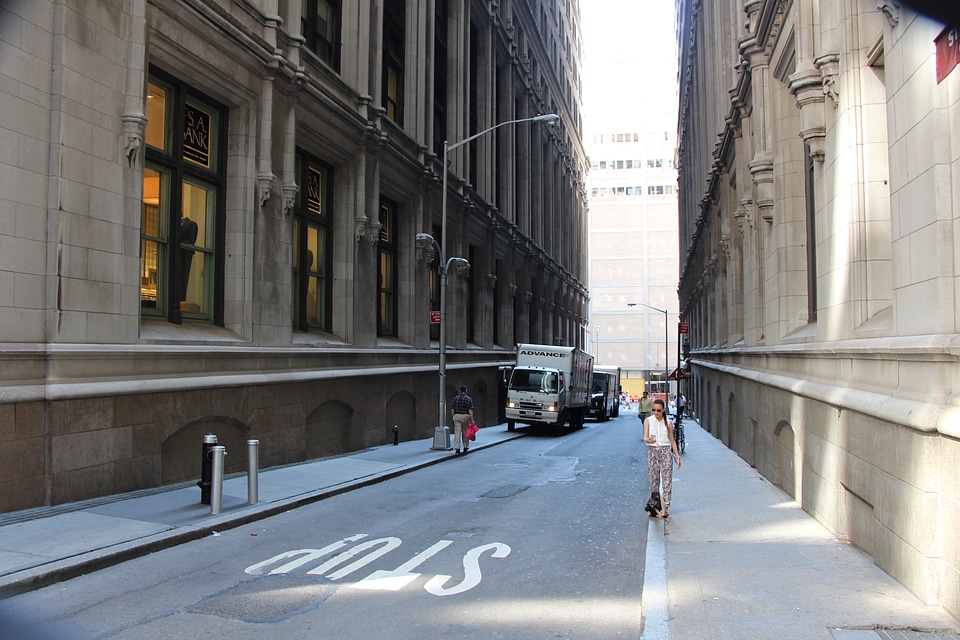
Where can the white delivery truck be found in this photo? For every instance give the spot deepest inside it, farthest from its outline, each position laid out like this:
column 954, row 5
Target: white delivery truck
column 549, row 385
column 605, row 397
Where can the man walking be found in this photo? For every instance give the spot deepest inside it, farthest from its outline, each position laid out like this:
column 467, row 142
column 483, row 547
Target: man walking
column 462, row 407
column 646, row 406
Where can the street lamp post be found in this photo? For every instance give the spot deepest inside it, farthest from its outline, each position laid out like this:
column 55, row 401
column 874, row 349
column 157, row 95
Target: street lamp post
column 666, row 343
column 441, row 435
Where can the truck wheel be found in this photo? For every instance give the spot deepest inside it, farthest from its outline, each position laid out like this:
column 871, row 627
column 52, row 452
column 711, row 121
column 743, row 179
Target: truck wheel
column 511, row 425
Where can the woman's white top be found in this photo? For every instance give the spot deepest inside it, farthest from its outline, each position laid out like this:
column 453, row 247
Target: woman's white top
column 658, row 429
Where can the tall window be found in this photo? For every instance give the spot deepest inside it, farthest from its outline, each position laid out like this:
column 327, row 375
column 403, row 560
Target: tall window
column 387, row 275
column 811, row 222
column 320, row 26
column 182, row 216
column 312, row 242
column 394, row 16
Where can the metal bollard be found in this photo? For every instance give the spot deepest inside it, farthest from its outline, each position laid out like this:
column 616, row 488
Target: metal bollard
column 206, row 467
column 396, row 435
column 216, row 482
column 253, row 469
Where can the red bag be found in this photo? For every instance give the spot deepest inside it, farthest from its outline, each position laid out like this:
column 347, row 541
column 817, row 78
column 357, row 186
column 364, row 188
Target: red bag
column 471, row 432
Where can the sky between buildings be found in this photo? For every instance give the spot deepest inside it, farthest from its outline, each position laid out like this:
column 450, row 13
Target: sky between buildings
column 629, row 65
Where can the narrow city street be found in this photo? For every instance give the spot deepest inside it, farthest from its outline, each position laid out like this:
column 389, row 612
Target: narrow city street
column 540, row 537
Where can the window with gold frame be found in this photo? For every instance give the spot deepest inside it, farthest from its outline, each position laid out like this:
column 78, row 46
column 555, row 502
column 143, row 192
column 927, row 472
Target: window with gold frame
column 312, row 246
column 387, row 270
column 182, row 215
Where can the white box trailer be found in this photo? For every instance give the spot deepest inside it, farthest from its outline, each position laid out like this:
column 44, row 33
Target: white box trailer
column 549, row 385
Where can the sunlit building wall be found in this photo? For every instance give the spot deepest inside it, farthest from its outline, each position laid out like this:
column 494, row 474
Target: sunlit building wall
column 210, row 220
column 818, row 168
column 633, row 254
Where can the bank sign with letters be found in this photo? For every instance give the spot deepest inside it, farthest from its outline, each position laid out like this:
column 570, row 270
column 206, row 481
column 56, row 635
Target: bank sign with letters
column 948, row 52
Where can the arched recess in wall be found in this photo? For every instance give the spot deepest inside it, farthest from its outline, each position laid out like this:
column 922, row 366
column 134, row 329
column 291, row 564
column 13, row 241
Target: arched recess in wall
column 733, row 440
column 723, row 429
column 709, row 423
column 181, row 455
column 329, row 430
column 784, row 467
column 481, row 399
column 402, row 412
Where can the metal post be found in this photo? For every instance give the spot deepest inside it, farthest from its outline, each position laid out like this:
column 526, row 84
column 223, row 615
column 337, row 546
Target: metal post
column 253, row 470
column 666, row 356
column 441, row 435
column 216, row 486
column 206, row 466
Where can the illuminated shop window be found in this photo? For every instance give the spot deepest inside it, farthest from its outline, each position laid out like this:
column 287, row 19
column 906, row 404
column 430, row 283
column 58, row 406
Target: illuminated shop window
column 181, row 225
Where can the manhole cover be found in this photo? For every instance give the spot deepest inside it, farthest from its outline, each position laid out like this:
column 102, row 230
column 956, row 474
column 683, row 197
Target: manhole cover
column 267, row 599
column 506, row 491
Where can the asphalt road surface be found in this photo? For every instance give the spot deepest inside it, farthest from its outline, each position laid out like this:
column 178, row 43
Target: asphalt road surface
column 542, row 537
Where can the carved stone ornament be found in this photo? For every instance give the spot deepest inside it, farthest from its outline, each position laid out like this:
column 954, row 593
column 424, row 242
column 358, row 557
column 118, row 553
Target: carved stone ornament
column 891, row 9
column 134, row 124
column 359, row 228
column 290, row 191
column 744, row 215
column 374, row 235
column 829, row 66
column 725, row 245
column 265, row 186
column 491, row 280
column 513, row 290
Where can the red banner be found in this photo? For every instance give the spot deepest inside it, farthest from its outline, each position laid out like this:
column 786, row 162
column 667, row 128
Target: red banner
column 948, row 52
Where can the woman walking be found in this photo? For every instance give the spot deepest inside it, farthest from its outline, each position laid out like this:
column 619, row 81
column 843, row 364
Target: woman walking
column 661, row 449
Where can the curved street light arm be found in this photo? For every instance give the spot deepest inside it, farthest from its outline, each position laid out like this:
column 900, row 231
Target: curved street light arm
column 549, row 118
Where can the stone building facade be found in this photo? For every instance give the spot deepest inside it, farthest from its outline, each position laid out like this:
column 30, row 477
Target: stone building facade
column 633, row 254
column 818, row 163
column 210, row 220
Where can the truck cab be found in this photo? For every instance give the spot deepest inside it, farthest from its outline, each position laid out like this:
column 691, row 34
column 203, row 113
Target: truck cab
column 549, row 385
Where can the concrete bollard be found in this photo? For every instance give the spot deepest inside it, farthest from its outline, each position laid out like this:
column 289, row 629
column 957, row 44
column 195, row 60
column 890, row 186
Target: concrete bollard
column 253, row 470
column 216, row 482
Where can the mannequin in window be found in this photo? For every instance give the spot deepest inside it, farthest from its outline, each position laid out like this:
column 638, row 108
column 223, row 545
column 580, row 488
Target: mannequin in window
column 188, row 235
column 311, row 310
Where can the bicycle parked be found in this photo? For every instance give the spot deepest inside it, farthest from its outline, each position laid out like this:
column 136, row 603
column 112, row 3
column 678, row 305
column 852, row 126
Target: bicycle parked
column 678, row 433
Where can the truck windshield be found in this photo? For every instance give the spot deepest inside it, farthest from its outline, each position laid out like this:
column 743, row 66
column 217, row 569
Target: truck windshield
column 537, row 381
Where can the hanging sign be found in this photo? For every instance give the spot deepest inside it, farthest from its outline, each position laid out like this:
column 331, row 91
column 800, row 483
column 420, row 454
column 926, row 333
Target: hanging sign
column 948, row 52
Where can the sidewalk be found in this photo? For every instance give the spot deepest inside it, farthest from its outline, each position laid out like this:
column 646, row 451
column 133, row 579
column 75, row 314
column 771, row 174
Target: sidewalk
column 39, row 547
column 737, row 558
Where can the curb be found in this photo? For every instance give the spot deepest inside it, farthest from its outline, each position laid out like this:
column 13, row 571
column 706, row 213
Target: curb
column 67, row 568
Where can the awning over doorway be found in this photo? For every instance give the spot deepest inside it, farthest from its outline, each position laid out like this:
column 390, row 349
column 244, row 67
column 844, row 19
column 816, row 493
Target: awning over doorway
column 683, row 371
